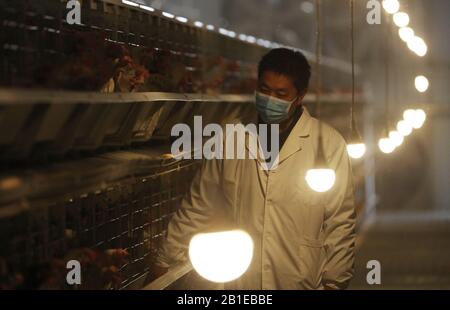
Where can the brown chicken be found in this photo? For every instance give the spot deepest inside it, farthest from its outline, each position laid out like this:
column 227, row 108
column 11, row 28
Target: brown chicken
column 92, row 64
column 99, row 270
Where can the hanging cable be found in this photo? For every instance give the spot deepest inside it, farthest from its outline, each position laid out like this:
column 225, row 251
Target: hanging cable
column 385, row 144
column 355, row 147
column 352, row 47
column 318, row 58
column 320, row 178
column 386, row 75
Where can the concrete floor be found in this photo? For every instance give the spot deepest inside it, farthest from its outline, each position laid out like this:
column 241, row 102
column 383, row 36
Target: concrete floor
column 413, row 249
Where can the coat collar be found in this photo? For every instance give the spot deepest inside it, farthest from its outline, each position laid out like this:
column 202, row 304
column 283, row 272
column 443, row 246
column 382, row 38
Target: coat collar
column 295, row 140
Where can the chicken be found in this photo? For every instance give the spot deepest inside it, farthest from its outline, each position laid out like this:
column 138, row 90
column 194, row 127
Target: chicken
column 92, row 64
column 99, row 270
column 131, row 78
column 168, row 72
column 214, row 74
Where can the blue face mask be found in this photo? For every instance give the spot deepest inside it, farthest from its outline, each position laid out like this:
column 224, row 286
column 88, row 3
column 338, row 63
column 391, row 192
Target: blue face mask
column 272, row 110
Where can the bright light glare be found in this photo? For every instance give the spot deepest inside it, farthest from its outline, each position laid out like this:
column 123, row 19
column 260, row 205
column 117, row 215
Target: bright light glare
column 147, row 8
column 320, row 180
column 356, row 151
column 406, row 33
column 198, row 24
column 182, row 19
column 404, row 128
column 131, row 3
column 418, row 46
column 221, row 256
column 409, row 116
column 391, row 6
column 396, row 138
column 242, row 37
column 421, row 83
column 307, row 7
column 386, row 145
column 401, row 19
column 251, row 39
column 168, row 15
column 420, row 119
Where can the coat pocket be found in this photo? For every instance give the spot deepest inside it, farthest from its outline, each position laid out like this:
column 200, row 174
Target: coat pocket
column 311, row 262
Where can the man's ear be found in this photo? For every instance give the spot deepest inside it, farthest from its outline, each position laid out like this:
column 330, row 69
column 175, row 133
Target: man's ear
column 300, row 99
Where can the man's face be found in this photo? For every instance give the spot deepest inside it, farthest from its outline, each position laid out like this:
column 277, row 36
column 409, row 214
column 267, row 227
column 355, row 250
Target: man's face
column 280, row 86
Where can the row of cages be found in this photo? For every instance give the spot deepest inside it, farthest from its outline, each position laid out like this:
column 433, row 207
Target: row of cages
column 45, row 132
column 122, row 48
column 113, row 231
column 118, row 48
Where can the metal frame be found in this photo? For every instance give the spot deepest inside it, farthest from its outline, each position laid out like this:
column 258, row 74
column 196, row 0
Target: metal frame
column 13, row 96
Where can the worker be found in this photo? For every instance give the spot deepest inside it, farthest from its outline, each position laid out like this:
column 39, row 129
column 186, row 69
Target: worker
column 302, row 239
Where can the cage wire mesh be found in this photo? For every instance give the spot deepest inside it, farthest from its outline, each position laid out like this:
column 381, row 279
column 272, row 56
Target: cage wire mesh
column 114, row 231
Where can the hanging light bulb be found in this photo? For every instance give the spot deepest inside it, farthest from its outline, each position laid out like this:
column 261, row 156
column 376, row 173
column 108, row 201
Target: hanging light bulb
column 221, row 256
column 404, row 128
column 401, row 19
column 409, row 116
column 418, row 46
column 356, row 147
column 391, row 6
column 406, row 33
column 356, row 151
column 420, row 118
column 386, row 145
column 396, row 138
column 421, row 83
column 321, row 178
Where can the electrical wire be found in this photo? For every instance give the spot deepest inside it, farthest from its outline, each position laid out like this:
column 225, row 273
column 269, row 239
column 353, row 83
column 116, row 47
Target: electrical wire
column 352, row 40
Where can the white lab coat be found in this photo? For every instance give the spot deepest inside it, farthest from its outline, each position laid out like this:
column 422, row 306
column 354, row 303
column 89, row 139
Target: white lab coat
column 302, row 239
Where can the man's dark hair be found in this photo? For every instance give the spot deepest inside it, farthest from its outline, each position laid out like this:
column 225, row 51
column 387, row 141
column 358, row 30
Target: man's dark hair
column 290, row 63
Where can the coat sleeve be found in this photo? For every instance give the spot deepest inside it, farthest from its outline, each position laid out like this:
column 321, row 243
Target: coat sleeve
column 194, row 215
column 339, row 223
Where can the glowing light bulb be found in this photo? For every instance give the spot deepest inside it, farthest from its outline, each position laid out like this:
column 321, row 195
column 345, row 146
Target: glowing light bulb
column 391, row 6
column 221, row 256
column 386, row 145
column 356, row 151
column 320, row 180
column 199, row 24
column 421, row 83
column 396, row 138
column 418, row 46
column 421, row 116
column 406, row 33
column 401, row 19
column 307, row 7
column 404, row 128
column 409, row 116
